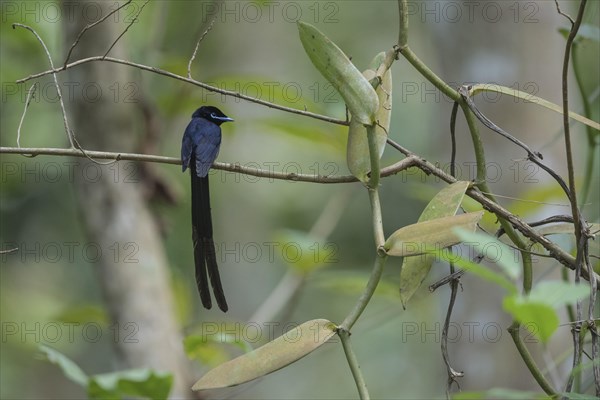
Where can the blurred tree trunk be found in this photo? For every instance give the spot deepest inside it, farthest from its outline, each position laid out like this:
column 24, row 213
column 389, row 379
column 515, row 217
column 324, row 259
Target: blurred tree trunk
column 133, row 270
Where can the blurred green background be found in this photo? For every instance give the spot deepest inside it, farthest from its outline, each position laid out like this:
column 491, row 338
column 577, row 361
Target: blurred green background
column 49, row 293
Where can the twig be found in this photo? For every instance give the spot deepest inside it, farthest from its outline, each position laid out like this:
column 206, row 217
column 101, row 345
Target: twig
column 452, row 373
column 210, row 25
column 567, row 16
column 30, row 95
column 8, row 251
column 86, row 155
column 534, row 157
column 411, row 160
column 580, row 234
column 191, row 81
column 555, row 251
column 127, row 28
column 86, row 28
column 237, row 168
column 454, row 282
column 58, row 91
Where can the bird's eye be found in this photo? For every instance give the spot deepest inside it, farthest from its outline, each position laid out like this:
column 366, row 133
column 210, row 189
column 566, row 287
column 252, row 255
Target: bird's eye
column 212, row 115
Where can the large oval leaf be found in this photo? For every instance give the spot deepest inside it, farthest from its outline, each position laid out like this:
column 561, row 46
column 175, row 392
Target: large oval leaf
column 357, row 154
column 415, row 269
column 332, row 63
column 286, row 349
column 422, row 237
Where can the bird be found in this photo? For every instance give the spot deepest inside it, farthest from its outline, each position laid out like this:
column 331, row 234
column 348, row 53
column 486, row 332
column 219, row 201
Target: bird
column 199, row 149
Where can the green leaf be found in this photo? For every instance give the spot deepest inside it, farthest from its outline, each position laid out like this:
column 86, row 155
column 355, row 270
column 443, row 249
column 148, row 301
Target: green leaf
column 537, row 310
column 353, row 284
column 540, row 319
column 286, row 349
column 68, row 367
column 422, row 237
column 332, row 63
column 585, row 32
column 486, row 87
column 415, row 269
column 494, row 250
column 144, row 383
column 477, row 269
column 357, row 155
column 84, row 313
column 302, row 252
column 557, row 293
column 207, row 349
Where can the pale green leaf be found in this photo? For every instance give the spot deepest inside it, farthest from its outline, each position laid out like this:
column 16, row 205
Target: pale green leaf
column 83, row 314
column 538, row 318
column 486, row 87
column 586, row 31
column 557, row 293
column 357, row 154
column 145, row 383
column 477, row 269
column 493, row 250
column 303, row 252
column 353, row 284
column 415, row 269
column 208, row 348
column 286, row 349
column 422, row 237
column 336, row 67
column 68, row 367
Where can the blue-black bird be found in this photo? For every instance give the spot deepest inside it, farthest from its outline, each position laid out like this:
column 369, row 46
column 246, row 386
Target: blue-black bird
column 199, row 149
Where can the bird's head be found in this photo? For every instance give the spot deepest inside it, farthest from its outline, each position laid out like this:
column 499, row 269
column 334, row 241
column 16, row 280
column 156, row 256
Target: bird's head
column 212, row 114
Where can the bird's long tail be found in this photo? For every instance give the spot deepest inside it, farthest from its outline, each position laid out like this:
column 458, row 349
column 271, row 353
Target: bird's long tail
column 205, row 257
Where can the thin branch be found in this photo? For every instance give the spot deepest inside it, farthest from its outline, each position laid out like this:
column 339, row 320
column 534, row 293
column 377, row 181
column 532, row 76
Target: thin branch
column 411, row 160
column 567, row 16
column 210, row 25
column 452, row 373
column 53, row 72
column 127, row 28
column 555, row 251
column 86, row 28
column 580, row 234
column 237, row 168
column 532, row 156
column 8, row 251
column 191, row 81
column 86, row 155
column 30, row 95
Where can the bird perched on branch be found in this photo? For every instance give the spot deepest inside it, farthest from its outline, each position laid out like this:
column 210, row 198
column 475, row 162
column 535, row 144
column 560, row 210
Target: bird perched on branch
column 199, row 149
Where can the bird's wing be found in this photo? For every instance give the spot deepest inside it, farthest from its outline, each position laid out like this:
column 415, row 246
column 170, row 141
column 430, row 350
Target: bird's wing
column 187, row 146
column 207, row 140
